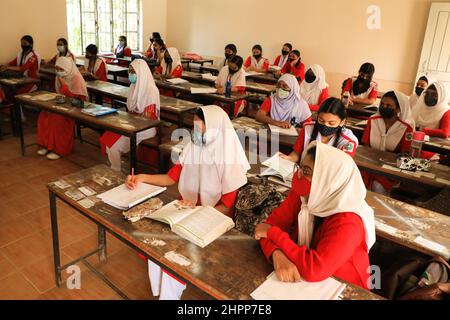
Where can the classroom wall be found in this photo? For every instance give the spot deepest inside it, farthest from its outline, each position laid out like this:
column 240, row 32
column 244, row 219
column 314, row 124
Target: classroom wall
column 44, row 20
column 154, row 19
column 332, row 33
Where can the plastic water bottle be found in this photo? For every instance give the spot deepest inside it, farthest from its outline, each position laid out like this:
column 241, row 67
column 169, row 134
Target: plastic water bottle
column 416, row 144
column 228, row 89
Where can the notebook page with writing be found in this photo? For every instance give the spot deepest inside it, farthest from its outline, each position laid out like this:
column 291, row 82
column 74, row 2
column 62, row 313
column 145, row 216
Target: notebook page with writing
column 172, row 213
column 287, row 132
column 123, row 198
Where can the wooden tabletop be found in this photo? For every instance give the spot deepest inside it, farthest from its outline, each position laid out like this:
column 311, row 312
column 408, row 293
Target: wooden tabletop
column 231, row 267
column 264, row 78
column 14, row 83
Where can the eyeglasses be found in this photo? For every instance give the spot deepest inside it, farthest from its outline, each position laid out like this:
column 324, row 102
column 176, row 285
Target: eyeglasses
column 302, row 171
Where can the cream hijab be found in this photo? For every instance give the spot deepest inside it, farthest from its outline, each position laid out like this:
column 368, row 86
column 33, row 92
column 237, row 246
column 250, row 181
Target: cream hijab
column 144, row 92
column 430, row 117
column 73, row 79
column 217, row 167
column 311, row 91
column 337, row 186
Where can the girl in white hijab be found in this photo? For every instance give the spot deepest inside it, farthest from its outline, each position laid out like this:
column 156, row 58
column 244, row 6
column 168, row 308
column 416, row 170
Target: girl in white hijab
column 143, row 99
column 431, row 113
column 422, row 83
column 285, row 107
column 212, row 168
column 334, row 226
column 315, row 88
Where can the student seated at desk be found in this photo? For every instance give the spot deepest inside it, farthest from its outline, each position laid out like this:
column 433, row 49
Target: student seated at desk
column 390, row 129
column 121, row 51
column 362, row 89
column 95, row 65
column 282, row 59
column 329, row 129
column 294, row 66
column 324, row 227
column 63, row 51
column 159, row 50
column 256, row 62
column 422, row 83
column 230, row 51
column 432, row 112
column 143, row 99
column 55, row 132
column 151, row 52
column 285, row 107
column 211, row 169
column 315, row 88
column 170, row 65
column 236, row 75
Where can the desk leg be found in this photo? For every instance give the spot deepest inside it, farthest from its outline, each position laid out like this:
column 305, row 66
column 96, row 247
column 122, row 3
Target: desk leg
column 232, row 107
column 102, row 244
column 17, row 115
column 133, row 152
column 54, row 222
column 99, row 99
column 181, row 120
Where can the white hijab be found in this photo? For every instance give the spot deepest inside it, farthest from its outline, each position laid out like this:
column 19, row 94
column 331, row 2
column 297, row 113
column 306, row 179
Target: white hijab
column 176, row 60
column 311, row 91
column 430, row 117
column 413, row 98
column 293, row 106
column 144, row 92
column 237, row 79
column 217, row 167
column 337, row 186
column 73, row 79
column 388, row 141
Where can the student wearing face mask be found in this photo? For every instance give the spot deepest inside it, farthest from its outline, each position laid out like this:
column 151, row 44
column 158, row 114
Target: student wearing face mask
column 63, row 51
column 170, row 66
column 94, row 65
column 159, row 49
column 324, row 227
column 285, row 107
column 315, row 88
column 329, row 129
column 294, row 66
column 230, row 51
column 362, row 89
column 257, row 62
column 143, row 100
column 121, row 51
column 212, row 167
column 151, row 53
column 55, row 132
column 282, row 59
column 422, row 83
column 390, row 129
column 432, row 112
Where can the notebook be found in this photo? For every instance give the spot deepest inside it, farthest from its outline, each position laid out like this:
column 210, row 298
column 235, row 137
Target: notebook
column 252, row 73
column 199, row 225
column 45, row 97
column 202, row 90
column 273, row 289
column 177, row 81
column 278, row 167
column 123, row 198
column 281, row 131
column 97, row 110
column 209, row 76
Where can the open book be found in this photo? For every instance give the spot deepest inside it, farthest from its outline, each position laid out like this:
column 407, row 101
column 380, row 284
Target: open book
column 123, row 198
column 281, row 131
column 273, row 289
column 97, row 110
column 199, row 225
column 195, row 90
column 279, row 167
column 177, row 81
column 209, row 76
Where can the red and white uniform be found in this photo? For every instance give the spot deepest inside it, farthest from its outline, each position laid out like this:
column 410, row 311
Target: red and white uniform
column 69, row 55
column 317, row 92
column 174, row 70
column 99, row 68
column 297, row 70
column 55, row 132
column 237, row 82
column 339, row 246
column 371, row 93
column 263, row 63
column 281, row 60
column 29, row 66
column 126, row 53
column 347, row 141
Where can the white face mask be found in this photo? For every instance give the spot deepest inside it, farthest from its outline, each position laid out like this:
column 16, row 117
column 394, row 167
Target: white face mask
column 282, row 94
column 61, row 49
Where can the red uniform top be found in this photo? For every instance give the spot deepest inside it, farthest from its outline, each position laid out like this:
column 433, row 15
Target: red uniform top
column 265, row 63
column 227, row 199
column 371, row 93
column 338, row 247
column 101, row 73
column 267, row 105
column 126, row 52
column 149, row 52
column 277, row 61
column 176, row 73
column 323, row 96
column 30, row 68
column 298, row 71
column 444, row 127
column 66, row 91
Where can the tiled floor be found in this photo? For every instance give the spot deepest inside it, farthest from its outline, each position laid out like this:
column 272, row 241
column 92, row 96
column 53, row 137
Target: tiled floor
column 26, row 256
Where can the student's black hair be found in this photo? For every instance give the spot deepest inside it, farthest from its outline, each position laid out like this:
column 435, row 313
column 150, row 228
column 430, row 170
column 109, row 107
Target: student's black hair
column 333, row 106
column 287, row 44
column 199, row 113
column 124, row 38
column 423, row 78
column 297, row 53
column 161, row 43
column 257, row 47
column 155, row 35
column 367, row 68
column 391, row 94
column 232, row 47
column 312, row 152
column 92, row 48
column 237, row 60
column 28, row 39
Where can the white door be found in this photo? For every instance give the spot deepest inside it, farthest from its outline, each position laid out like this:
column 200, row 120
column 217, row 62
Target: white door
column 435, row 57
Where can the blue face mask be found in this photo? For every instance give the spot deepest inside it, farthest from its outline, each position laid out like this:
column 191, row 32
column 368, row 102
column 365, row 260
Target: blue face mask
column 198, row 137
column 132, row 77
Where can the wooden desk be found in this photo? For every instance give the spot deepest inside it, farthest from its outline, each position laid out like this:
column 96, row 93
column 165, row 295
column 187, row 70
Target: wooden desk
column 212, row 69
column 122, row 123
column 231, row 267
column 357, row 110
column 201, row 62
column 169, row 105
column 269, row 78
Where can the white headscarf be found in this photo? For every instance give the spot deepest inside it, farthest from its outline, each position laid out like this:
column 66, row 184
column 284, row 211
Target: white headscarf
column 388, row 141
column 293, row 106
column 73, row 79
column 337, row 186
column 176, row 60
column 144, row 92
column 237, row 79
column 413, row 98
column 430, row 117
column 217, row 167
column 311, row 91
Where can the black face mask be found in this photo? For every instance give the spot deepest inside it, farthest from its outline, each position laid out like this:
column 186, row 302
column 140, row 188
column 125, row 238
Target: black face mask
column 326, row 131
column 228, row 55
column 430, row 101
column 168, row 60
column 284, row 53
column 231, row 71
column 310, row 77
column 361, row 85
column 257, row 56
column 26, row 48
column 419, row 90
column 385, row 112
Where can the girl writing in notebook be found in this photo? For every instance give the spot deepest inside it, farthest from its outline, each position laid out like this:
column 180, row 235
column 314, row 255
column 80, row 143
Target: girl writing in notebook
column 211, row 168
column 143, row 99
column 315, row 88
column 55, row 132
column 362, row 89
column 63, row 51
column 333, row 226
column 285, row 107
column 257, row 62
column 329, row 129
column 390, row 129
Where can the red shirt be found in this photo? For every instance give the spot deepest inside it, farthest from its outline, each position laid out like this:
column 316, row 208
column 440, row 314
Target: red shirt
column 227, row 199
column 66, row 91
column 444, row 127
column 101, row 72
column 298, row 71
column 277, row 61
column 323, row 96
column 372, row 93
column 265, row 66
column 267, row 105
column 176, row 73
column 338, row 247
column 32, row 66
